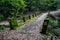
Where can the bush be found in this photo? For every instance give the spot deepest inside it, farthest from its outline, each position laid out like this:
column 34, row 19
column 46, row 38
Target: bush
column 56, row 31
column 53, row 26
column 1, row 17
column 2, row 27
column 13, row 23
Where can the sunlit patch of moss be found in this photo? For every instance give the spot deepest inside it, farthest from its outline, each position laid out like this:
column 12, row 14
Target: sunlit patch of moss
column 49, row 34
column 13, row 23
column 20, row 24
column 44, row 38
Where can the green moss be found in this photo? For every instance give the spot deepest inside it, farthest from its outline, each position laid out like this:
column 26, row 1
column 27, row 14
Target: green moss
column 44, row 38
column 47, row 19
column 13, row 23
column 49, row 34
column 20, row 24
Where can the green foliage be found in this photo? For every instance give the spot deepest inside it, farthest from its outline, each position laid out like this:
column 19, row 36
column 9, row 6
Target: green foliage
column 2, row 27
column 43, row 5
column 57, row 31
column 13, row 23
column 1, row 17
column 12, row 6
column 53, row 22
column 44, row 38
column 53, row 27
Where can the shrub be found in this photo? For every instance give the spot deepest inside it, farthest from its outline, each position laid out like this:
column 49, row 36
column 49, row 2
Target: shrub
column 56, row 31
column 1, row 17
column 13, row 23
column 2, row 27
column 53, row 26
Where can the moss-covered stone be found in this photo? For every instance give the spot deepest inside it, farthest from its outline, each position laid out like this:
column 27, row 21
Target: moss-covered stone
column 13, row 23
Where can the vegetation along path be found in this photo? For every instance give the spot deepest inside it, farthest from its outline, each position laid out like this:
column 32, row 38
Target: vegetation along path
column 34, row 25
column 29, row 31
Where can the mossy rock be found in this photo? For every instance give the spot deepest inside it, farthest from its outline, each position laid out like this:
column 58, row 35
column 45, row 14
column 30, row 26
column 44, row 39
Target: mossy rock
column 13, row 23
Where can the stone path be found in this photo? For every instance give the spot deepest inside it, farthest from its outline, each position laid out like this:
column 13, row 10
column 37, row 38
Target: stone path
column 29, row 31
column 34, row 25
